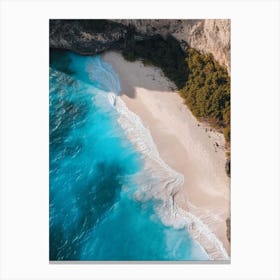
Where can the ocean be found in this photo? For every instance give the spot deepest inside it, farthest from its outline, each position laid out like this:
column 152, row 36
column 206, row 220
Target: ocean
column 103, row 203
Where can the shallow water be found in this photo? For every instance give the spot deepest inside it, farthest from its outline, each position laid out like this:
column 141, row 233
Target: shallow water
column 94, row 174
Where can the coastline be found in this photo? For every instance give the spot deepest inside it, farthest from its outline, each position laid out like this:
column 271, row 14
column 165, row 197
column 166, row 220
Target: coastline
column 188, row 147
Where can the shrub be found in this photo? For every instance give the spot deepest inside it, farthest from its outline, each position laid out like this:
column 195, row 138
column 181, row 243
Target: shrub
column 227, row 133
column 129, row 55
column 202, row 82
column 207, row 90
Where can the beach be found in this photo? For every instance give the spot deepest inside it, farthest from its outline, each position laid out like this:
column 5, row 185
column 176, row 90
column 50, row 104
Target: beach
column 187, row 146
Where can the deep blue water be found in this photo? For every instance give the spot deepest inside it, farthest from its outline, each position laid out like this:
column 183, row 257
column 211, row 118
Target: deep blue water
column 93, row 213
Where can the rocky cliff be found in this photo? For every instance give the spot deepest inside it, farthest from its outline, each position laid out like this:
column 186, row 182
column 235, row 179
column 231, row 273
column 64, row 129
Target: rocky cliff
column 207, row 36
column 95, row 36
column 86, row 36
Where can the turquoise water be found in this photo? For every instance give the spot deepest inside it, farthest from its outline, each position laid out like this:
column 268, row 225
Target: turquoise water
column 93, row 213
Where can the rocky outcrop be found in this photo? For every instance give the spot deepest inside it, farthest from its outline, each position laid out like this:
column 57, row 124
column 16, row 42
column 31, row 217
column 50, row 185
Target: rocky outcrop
column 211, row 36
column 207, row 36
column 87, row 37
column 228, row 228
column 95, row 36
column 227, row 167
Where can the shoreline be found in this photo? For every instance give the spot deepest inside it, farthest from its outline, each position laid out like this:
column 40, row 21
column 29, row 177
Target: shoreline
column 186, row 146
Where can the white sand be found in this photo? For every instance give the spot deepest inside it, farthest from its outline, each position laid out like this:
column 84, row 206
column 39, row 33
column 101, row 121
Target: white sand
column 186, row 145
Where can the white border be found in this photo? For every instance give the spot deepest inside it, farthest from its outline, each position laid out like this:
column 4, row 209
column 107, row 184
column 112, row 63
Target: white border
column 24, row 138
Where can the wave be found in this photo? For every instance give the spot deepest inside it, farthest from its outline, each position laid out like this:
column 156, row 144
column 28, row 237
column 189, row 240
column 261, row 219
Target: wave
column 163, row 183
column 107, row 78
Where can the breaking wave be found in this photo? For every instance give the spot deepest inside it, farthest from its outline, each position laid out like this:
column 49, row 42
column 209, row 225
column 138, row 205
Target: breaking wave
column 165, row 184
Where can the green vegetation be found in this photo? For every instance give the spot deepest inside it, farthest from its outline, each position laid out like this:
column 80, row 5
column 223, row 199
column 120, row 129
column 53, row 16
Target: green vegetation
column 227, row 133
column 166, row 54
column 202, row 82
column 207, row 91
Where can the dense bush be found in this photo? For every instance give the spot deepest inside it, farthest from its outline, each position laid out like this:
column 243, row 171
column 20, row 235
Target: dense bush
column 207, row 90
column 129, row 55
column 227, row 133
column 202, row 82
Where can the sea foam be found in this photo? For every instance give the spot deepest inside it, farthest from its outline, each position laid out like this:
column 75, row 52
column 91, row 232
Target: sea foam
column 165, row 183
column 98, row 210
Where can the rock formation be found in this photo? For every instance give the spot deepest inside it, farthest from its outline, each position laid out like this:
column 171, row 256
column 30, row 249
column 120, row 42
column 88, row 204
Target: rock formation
column 91, row 37
column 227, row 167
column 207, row 36
column 228, row 228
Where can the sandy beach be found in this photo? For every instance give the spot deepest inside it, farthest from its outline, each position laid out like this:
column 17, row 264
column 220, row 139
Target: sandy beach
column 187, row 146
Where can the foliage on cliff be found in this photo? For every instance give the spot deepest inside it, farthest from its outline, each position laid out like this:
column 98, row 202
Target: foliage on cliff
column 207, row 90
column 202, row 82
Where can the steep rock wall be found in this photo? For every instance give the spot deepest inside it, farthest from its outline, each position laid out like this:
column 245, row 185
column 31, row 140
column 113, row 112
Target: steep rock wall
column 207, row 36
column 91, row 37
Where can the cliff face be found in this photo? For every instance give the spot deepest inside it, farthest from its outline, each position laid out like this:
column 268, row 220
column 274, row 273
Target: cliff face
column 211, row 36
column 91, row 37
column 207, row 36
column 87, row 37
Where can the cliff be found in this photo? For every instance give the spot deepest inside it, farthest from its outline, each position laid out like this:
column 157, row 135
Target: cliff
column 206, row 36
column 95, row 36
column 87, row 36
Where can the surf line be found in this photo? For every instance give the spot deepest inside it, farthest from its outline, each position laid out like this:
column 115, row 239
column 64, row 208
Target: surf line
column 170, row 213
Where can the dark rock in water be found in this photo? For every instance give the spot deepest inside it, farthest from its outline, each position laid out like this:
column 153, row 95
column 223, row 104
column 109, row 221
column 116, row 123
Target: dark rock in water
column 227, row 167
